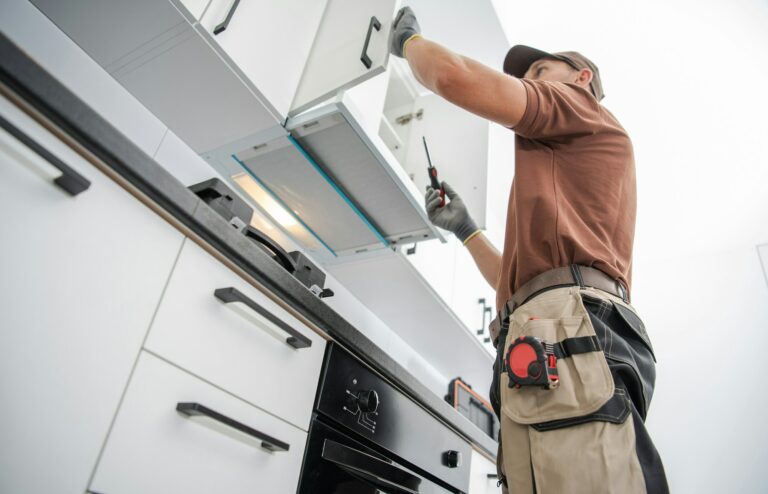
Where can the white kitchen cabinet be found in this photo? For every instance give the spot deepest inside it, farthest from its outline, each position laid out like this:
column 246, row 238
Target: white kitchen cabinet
column 451, row 272
column 457, row 140
column 196, row 94
column 108, row 30
column 274, row 59
column 232, row 345
column 153, row 448
column 195, row 7
column 482, row 475
column 44, row 42
column 393, row 289
column 82, row 277
column 299, row 53
column 162, row 59
column 350, row 47
column 268, row 41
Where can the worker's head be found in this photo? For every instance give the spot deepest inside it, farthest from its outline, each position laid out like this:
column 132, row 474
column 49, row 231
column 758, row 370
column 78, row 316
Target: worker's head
column 569, row 66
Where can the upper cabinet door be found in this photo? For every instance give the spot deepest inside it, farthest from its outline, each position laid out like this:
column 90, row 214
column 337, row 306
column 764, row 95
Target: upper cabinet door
column 351, row 46
column 297, row 53
column 268, row 41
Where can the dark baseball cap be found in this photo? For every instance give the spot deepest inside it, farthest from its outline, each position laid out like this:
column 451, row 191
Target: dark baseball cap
column 520, row 57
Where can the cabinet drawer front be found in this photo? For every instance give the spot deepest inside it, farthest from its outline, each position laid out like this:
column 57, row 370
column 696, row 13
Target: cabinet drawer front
column 482, row 475
column 253, row 349
column 153, row 448
column 82, row 273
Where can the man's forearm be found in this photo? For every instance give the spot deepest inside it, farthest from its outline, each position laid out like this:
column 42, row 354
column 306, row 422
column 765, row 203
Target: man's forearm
column 431, row 62
column 466, row 82
column 487, row 258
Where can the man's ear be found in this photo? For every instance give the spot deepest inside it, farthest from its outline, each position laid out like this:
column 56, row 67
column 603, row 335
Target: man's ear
column 584, row 77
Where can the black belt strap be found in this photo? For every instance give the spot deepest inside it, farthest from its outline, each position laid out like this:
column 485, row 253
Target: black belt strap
column 574, row 346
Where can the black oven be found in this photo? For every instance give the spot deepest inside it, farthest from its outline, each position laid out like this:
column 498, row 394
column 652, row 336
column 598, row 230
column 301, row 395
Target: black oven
column 367, row 437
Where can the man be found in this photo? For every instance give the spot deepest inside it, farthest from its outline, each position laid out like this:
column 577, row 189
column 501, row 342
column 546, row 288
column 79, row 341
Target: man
column 574, row 373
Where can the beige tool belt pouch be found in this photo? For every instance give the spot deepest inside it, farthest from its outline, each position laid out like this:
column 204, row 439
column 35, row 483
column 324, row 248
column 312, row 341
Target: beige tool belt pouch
column 586, row 383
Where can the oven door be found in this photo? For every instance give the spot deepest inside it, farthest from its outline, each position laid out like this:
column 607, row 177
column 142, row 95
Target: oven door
column 335, row 463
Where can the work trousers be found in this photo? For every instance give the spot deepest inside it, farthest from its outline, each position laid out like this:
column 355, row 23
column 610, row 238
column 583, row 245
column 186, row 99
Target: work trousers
column 588, row 435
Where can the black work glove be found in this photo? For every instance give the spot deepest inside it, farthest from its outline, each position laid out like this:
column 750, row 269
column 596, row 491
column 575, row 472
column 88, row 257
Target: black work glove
column 404, row 28
column 453, row 217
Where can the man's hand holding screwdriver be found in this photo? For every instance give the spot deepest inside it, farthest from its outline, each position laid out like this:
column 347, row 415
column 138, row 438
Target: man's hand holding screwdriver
column 453, row 217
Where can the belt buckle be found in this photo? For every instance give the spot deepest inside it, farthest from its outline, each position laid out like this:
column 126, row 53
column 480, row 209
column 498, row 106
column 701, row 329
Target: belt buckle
column 622, row 291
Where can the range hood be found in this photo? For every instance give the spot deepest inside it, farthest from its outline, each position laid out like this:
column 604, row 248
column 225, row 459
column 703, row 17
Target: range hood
column 340, row 183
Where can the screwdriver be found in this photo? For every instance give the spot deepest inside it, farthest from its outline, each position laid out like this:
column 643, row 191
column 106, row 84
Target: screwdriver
column 433, row 175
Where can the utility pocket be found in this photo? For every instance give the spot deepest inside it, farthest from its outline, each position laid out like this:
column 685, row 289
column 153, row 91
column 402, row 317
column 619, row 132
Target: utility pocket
column 586, row 383
column 592, row 454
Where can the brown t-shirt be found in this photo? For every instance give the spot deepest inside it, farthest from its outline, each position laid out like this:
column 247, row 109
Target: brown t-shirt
column 573, row 198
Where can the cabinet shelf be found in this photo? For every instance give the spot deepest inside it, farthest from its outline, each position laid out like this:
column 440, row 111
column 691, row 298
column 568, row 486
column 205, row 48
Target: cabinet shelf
column 390, row 286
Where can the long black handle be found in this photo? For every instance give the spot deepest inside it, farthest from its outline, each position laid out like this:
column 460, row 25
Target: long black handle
column 231, row 294
column 223, row 25
column 371, row 25
column 69, row 180
column 386, row 476
column 197, row 410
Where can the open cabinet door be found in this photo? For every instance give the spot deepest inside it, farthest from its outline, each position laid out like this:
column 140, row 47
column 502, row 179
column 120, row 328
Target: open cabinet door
column 351, row 46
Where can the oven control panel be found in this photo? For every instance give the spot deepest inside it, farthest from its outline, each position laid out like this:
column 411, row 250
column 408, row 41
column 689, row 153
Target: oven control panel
column 357, row 398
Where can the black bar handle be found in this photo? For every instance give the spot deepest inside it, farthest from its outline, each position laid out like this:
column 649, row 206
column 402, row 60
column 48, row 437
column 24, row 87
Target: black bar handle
column 231, row 294
column 223, row 24
column 69, row 180
column 385, row 476
column 197, row 410
column 371, row 25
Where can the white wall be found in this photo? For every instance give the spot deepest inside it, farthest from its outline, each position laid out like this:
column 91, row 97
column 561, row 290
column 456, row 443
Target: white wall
column 710, row 332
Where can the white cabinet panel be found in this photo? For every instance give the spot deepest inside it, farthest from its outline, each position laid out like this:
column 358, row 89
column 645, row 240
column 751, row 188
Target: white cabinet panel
column 109, row 29
column 152, row 448
column 196, row 8
column 335, row 60
column 164, row 62
column 29, row 28
column 82, row 277
column 231, row 345
column 181, row 162
column 196, row 94
column 393, row 289
column 268, row 41
column 479, row 480
column 458, row 147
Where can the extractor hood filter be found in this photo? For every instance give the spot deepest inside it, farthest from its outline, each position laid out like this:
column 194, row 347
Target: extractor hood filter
column 335, row 183
column 299, row 185
column 352, row 164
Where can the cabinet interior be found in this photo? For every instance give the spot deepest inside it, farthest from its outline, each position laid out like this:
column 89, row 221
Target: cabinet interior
column 457, row 139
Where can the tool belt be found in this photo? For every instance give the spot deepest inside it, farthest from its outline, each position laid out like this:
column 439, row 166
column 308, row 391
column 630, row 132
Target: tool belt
column 573, row 275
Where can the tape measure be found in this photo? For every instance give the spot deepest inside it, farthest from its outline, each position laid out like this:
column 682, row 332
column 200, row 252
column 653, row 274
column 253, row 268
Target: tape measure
column 531, row 362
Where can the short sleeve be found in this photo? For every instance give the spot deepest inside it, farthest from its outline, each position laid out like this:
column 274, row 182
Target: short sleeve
column 557, row 110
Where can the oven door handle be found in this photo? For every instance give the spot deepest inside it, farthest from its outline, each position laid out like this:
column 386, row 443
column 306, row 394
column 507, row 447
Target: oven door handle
column 370, row 468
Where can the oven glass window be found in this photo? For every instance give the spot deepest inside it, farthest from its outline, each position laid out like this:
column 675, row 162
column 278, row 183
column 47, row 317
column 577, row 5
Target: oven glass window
column 335, row 463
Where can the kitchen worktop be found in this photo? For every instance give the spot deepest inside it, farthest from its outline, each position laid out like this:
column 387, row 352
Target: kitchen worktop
column 159, row 188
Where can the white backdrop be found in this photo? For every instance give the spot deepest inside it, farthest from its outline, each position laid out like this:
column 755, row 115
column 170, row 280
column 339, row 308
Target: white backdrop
column 687, row 79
